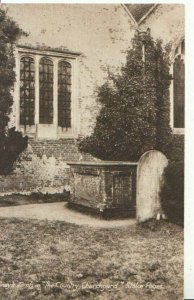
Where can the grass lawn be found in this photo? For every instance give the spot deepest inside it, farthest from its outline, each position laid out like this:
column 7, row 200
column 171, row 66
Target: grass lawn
column 58, row 260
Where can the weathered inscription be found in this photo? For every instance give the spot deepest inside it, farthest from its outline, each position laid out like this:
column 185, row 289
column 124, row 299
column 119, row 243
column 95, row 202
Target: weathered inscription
column 87, row 187
column 122, row 187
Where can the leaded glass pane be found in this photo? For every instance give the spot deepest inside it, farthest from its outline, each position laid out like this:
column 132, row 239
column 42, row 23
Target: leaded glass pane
column 27, row 91
column 46, row 91
column 64, row 94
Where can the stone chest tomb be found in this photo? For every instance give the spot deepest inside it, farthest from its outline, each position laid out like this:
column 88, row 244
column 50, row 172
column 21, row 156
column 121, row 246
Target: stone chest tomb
column 108, row 188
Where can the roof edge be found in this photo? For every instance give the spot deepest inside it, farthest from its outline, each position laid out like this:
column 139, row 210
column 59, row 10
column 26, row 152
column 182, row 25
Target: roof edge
column 129, row 14
column 147, row 14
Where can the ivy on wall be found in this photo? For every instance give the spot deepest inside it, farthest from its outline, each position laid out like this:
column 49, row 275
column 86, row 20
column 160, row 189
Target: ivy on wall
column 134, row 115
column 11, row 142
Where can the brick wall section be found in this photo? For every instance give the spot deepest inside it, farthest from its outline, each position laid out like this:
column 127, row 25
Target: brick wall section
column 62, row 149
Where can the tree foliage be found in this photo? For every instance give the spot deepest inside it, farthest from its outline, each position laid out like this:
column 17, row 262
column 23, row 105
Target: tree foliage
column 11, row 145
column 9, row 32
column 172, row 192
column 134, row 115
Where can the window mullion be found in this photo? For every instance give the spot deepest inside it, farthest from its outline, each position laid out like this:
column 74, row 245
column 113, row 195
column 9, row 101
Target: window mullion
column 55, row 93
column 37, row 58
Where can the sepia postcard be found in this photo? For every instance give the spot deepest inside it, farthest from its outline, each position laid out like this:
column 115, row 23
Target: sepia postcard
column 92, row 151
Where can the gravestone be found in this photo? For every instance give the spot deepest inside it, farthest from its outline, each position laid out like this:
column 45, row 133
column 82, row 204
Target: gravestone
column 149, row 180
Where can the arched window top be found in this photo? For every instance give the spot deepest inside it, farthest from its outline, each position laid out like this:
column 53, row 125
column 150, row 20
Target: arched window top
column 27, row 62
column 46, row 65
column 64, row 63
column 47, row 60
column 26, row 57
column 64, row 68
column 64, row 74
